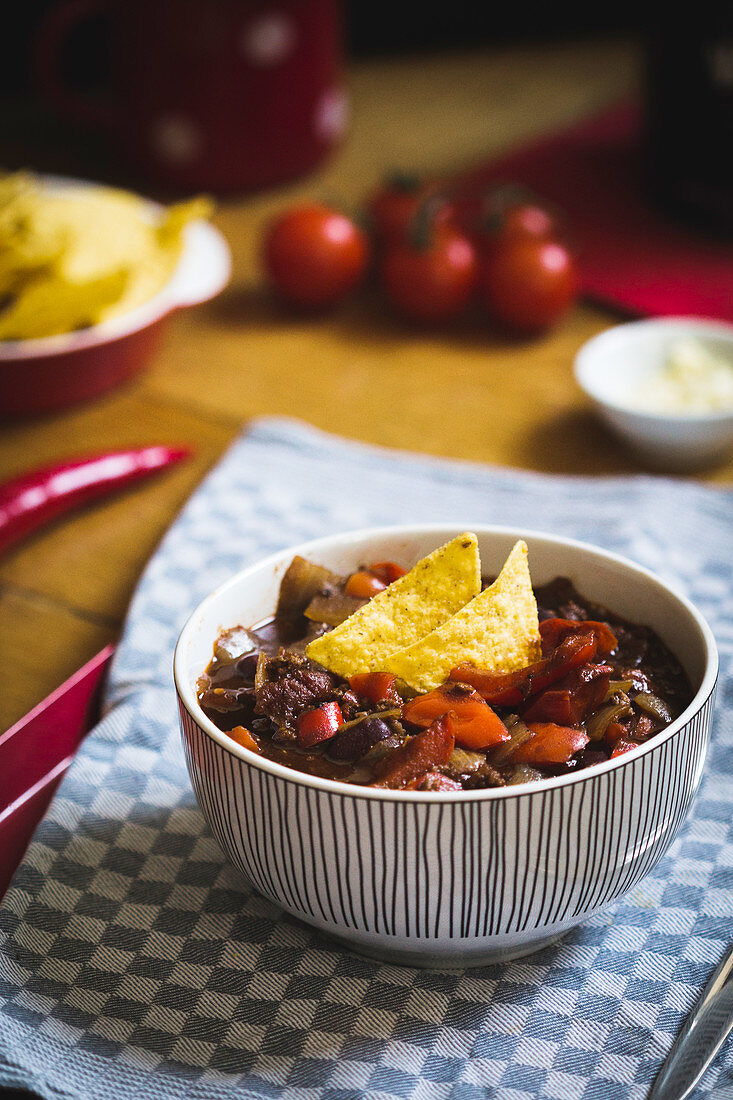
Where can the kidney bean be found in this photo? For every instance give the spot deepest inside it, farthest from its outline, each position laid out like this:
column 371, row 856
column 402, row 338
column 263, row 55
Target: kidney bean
column 247, row 665
column 354, row 741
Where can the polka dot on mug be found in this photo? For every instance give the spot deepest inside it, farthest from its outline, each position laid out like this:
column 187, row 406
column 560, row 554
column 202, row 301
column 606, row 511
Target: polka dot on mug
column 268, row 40
column 332, row 114
column 175, row 139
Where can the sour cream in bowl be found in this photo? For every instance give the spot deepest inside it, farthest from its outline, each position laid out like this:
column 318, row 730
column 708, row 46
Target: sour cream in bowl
column 665, row 387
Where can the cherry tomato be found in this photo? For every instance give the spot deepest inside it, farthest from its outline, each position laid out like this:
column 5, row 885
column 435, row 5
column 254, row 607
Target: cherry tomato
column 528, row 283
column 512, row 211
column 431, row 283
column 392, row 209
column 527, row 219
column 315, row 255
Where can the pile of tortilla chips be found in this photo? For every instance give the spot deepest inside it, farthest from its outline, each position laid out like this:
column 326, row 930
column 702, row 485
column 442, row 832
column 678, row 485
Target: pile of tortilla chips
column 437, row 617
column 73, row 257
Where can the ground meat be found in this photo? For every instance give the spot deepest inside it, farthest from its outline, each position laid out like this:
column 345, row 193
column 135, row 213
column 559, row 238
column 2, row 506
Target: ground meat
column 348, row 701
column 471, row 770
column 644, row 727
column 559, row 600
column 293, row 684
column 485, row 776
column 633, row 646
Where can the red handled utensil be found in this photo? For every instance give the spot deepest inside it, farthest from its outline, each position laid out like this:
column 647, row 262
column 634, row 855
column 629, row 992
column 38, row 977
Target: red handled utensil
column 35, row 753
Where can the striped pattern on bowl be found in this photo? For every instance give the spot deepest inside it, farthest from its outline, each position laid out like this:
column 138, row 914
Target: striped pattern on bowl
column 492, row 877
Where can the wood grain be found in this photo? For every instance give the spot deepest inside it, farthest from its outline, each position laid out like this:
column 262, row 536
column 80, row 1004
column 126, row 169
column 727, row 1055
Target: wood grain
column 41, row 644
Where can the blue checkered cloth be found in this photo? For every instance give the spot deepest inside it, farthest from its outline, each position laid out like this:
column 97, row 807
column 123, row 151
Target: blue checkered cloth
column 135, row 963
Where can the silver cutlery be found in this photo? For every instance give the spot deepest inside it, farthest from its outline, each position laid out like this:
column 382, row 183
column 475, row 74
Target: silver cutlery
column 702, row 1036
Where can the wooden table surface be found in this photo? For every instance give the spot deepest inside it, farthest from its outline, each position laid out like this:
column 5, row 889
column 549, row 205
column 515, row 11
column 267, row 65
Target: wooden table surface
column 63, row 594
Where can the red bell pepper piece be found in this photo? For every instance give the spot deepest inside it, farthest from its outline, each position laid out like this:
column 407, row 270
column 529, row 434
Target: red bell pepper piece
column 512, row 688
column 363, row 585
column 421, row 754
column 319, row 724
column 553, row 706
column 243, row 737
column 615, row 731
column 554, row 631
column 498, row 688
column 387, row 571
column 578, row 695
column 623, row 746
column 550, row 744
column 373, row 686
column 475, row 724
column 29, row 501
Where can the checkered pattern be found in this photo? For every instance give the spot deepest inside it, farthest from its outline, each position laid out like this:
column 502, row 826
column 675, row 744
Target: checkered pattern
column 136, row 963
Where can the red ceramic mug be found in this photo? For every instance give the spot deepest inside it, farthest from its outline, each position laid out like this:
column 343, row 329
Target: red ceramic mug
column 216, row 94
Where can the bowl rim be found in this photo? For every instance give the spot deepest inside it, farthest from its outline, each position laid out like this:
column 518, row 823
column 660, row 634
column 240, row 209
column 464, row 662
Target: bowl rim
column 143, row 316
column 187, row 695
column 584, row 367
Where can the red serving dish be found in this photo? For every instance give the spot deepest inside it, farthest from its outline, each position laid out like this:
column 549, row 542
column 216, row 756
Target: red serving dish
column 52, row 372
column 35, row 753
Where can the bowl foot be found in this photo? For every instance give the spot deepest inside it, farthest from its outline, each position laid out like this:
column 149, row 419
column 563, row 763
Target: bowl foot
column 450, row 959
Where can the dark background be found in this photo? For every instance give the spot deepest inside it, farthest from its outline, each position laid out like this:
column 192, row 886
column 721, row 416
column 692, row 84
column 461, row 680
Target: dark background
column 372, row 27
column 689, row 121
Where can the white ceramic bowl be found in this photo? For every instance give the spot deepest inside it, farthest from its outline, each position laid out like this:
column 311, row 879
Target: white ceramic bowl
column 449, row 878
column 611, row 365
column 53, row 372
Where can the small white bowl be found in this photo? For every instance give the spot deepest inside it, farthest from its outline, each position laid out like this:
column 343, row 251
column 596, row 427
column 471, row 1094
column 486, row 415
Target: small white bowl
column 611, row 365
column 456, row 878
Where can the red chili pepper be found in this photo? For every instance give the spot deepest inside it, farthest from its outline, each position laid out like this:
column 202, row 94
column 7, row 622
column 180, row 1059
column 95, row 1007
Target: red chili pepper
column 29, row 501
column 319, row 724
